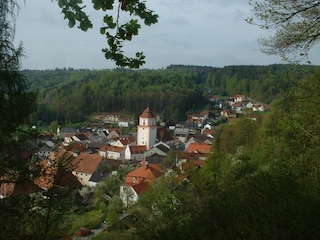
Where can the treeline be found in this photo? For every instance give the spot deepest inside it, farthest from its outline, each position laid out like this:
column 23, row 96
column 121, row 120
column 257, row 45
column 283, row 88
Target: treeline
column 69, row 95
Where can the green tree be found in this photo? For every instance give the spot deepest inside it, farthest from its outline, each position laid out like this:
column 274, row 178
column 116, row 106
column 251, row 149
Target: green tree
column 116, row 33
column 15, row 102
column 296, row 25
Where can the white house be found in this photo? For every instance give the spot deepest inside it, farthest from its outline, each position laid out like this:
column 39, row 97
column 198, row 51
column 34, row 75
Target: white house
column 124, row 123
column 43, row 152
column 85, row 165
column 112, row 152
column 257, row 108
column 135, row 152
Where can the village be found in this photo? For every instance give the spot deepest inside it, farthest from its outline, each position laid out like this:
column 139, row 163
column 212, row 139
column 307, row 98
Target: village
column 99, row 151
column 96, row 149
column 91, row 154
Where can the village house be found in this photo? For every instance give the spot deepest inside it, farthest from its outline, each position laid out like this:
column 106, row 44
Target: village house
column 85, row 165
column 237, row 107
column 213, row 98
column 111, row 117
column 137, row 181
column 135, row 152
column 199, row 147
column 181, row 134
column 258, row 108
column 124, row 122
column 123, row 142
column 164, row 135
column 43, row 152
column 54, row 170
column 81, row 137
column 114, row 133
column 198, row 138
column 249, row 104
column 229, row 113
column 239, row 98
column 112, row 152
column 159, row 148
column 11, row 186
column 61, row 133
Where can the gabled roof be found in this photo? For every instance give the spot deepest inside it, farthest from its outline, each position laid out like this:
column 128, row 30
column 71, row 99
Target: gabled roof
column 162, row 146
column 238, row 104
column 136, row 149
column 141, row 187
column 98, row 176
column 199, row 147
column 155, row 159
column 145, row 173
column 68, row 130
column 198, row 137
column 207, row 131
column 163, row 134
column 118, row 130
column 192, row 155
column 77, row 147
column 59, row 174
column 97, row 145
column 147, row 113
column 112, row 148
column 86, row 163
column 26, row 187
column 82, row 136
column 125, row 140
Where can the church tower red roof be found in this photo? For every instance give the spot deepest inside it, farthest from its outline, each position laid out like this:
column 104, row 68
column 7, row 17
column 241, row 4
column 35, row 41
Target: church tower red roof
column 147, row 113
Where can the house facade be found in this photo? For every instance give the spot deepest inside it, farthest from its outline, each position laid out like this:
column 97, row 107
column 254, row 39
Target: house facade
column 137, row 181
column 85, row 165
column 135, row 152
column 112, row 152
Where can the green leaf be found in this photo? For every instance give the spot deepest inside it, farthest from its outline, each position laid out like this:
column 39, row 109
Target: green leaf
column 71, row 23
column 103, row 30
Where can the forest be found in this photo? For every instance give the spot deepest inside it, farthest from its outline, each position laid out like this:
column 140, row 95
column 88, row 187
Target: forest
column 69, row 95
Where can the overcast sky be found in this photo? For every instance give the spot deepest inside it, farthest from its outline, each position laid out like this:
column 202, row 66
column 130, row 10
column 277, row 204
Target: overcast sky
column 192, row 32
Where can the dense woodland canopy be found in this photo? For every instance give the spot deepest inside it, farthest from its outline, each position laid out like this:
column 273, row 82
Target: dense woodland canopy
column 69, row 95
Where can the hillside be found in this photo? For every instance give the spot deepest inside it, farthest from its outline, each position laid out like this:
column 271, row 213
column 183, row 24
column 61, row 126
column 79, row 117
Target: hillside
column 68, row 95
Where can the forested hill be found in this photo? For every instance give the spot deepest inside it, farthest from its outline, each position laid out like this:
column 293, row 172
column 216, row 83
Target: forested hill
column 67, row 95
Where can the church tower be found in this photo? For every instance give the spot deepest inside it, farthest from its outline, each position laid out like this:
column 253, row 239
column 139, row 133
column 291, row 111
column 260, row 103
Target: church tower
column 147, row 129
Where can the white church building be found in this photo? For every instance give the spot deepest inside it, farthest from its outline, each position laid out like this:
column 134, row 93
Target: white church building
column 147, row 129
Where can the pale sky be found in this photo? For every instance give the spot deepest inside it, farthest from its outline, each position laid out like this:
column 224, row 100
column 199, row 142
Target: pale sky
column 190, row 32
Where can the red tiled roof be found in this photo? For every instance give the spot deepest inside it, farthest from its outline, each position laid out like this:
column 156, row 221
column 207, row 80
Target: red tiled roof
column 112, row 148
column 15, row 187
column 138, row 149
column 86, row 163
column 192, row 155
column 199, row 147
column 141, row 187
column 207, row 131
column 144, row 173
column 192, row 164
column 111, row 129
column 78, row 146
column 147, row 113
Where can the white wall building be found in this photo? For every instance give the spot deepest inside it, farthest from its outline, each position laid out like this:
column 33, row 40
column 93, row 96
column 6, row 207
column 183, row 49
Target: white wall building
column 147, row 129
